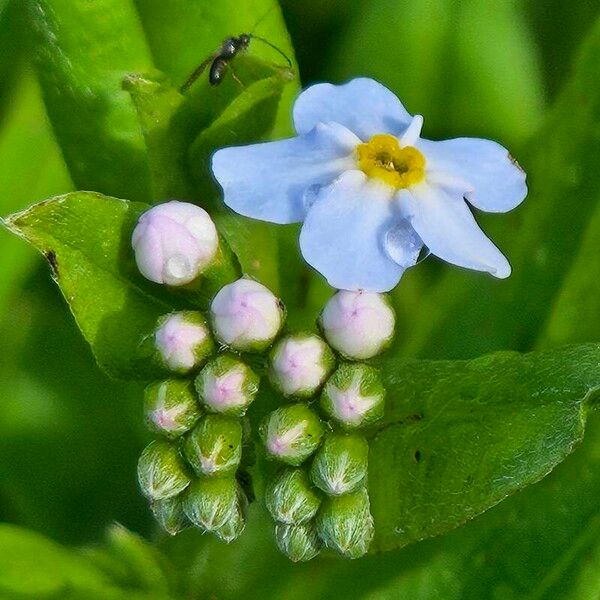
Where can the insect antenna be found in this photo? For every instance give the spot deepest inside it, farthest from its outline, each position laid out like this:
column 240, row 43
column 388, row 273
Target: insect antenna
column 264, row 41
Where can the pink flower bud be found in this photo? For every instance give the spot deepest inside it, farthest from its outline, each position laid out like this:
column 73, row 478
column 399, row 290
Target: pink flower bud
column 183, row 341
column 300, row 364
column 174, row 242
column 359, row 325
column 246, row 315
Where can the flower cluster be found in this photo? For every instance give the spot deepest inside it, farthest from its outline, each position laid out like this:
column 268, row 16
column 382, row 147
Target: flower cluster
column 320, row 496
column 371, row 194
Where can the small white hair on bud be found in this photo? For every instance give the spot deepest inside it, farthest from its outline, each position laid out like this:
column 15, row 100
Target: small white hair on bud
column 359, row 325
column 183, row 341
column 174, row 243
column 300, row 364
column 246, row 315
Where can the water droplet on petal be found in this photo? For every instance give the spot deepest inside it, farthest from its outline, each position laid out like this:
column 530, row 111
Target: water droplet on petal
column 402, row 244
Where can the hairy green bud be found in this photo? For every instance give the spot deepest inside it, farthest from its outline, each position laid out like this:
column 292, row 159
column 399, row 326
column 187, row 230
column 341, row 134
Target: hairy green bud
column 227, row 385
column 210, row 503
column 341, row 463
column 354, row 396
column 292, row 433
column 234, row 526
column 214, row 446
column 300, row 364
column 169, row 514
column 291, row 499
column 161, row 471
column 298, row 542
column 170, row 407
column 345, row 524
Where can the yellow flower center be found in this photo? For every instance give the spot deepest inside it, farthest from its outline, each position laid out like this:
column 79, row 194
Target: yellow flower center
column 382, row 157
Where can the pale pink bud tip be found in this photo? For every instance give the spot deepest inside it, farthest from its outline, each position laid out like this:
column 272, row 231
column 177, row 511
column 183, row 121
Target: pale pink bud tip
column 359, row 325
column 300, row 364
column 246, row 315
column 174, row 242
column 182, row 341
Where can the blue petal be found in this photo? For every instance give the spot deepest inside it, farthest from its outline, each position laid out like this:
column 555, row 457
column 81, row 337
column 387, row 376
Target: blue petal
column 342, row 236
column 362, row 105
column 267, row 181
column 445, row 224
column 497, row 183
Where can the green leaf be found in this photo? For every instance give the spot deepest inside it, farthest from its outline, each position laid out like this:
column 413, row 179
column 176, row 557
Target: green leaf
column 540, row 237
column 131, row 561
column 32, row 566
column 459, row 437
column 31, row 167
column 86, row 239
column 83, row 51
column 167, row 131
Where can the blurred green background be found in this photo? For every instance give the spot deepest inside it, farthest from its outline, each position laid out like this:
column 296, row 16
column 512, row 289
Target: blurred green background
column 69, row 437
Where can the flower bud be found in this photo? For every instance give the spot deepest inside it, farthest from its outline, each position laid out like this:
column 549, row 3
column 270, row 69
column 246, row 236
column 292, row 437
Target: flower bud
column 174, row 242
column 211, row 502
column 358, row 325
column 292, row 433
column 226, row 385
column 341, row 463
column 298, row 542
column 345, row 524
column 182, row 341
column 161, row 472
column 291, row 499
column 234, row 526
column 214, row 446
column 300, row 364
column 169, row 514
column 246, row 315
column 170, row 407
column 354, row 396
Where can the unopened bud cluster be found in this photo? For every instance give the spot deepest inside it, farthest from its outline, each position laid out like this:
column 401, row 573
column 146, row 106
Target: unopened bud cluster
column 320, row 498
column 190, row 474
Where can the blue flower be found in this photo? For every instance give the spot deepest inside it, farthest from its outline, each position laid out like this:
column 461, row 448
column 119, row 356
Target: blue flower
column 370, row 191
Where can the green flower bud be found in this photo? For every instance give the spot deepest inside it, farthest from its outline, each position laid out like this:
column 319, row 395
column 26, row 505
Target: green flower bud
column 354, row 396
column 340, row 465
column 214, row 446
column 233, row 527
column 182, row 341
column 345, row 524
column 169, row 514
column 210, row 503
column 227, row 385
column 291, row 499
column 161, row 472
column 292, row 433
column 170, row 407
column 300, row 364
column 298, row 542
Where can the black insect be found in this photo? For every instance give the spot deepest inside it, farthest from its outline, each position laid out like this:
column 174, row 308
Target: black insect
column 220, row 60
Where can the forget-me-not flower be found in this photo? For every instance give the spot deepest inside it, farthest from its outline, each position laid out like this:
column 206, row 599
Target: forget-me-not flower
column 370, row 191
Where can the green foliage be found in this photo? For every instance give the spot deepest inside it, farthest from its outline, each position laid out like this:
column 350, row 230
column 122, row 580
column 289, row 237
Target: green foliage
column 83, row 51
column 34, row 567
column 86, row 239
column 458, row 437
